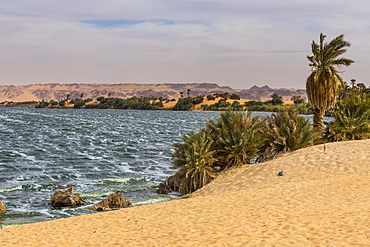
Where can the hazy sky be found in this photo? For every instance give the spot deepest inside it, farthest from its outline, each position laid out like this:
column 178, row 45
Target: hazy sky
column 237, row 43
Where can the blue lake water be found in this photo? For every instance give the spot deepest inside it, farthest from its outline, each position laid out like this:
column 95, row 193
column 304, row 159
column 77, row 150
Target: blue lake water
column 99, row 152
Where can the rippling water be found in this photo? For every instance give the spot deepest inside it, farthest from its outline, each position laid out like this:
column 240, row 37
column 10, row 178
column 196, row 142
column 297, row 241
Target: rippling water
column 99, row 152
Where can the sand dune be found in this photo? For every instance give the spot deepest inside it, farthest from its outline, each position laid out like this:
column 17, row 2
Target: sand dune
column 323, row 200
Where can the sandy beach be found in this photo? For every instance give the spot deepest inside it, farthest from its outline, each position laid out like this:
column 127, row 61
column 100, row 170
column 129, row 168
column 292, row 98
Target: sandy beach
column 323, row 200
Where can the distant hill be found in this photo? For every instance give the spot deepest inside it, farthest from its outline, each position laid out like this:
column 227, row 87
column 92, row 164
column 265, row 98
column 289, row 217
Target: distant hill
column 57, row 91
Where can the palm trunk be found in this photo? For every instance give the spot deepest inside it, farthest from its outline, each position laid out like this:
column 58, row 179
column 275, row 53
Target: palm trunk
column 318, row 119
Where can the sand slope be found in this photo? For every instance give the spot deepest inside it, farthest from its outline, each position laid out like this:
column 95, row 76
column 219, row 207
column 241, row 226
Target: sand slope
column 323, row 200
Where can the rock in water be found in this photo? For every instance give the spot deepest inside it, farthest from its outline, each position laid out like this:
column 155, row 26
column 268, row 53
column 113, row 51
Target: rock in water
column 66, row 198
column 113, row 201
column 2, row 208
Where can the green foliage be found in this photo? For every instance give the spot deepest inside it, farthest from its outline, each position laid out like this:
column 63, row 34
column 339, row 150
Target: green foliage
column 267, row 106
column 183, row 104
column 297, row 99
column 304, row 108
column 205, row 107
column 142, row 103
column 351, row 119
column 276, row 99
column 234, row 139
column 223, row 95
column 222, row 104
column 62, row 102
column 322, row 84
column 78, row 103
column 253, row 102
column 285, row 132
column 236, row 106
column 197, row 100
column 234, row 96
column 53, row 102
column 195, row 160
column 237, row 138
column 42, row 104
column 211, row 97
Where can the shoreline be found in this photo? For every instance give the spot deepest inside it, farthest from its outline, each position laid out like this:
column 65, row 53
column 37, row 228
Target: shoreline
column 322, row 200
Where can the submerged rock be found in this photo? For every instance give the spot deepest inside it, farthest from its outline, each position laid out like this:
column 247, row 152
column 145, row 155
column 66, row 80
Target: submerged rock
column 113, row 201
column 66, row 198
column 2, row 208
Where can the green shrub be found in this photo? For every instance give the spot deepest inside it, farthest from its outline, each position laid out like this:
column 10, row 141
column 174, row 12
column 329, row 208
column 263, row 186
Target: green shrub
column 237, row 138
column 183, row 104
column 194, row 160
column 351, row 119
column 285, row 132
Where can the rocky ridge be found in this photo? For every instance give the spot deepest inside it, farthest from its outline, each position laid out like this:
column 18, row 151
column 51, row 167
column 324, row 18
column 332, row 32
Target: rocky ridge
column 57, row 91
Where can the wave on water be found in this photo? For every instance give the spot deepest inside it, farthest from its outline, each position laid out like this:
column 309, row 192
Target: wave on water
column 17, row 187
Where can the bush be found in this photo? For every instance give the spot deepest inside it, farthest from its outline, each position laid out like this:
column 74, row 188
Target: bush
column 195, row 160
column 184, row 104
column 234, row 139
column 42, row 104
column 234, row 96
column 285, row 132
column 197, row 100
column 78, row 103
column 236, row 106
column 237, row 138
column 351, row 119
column 211, row 97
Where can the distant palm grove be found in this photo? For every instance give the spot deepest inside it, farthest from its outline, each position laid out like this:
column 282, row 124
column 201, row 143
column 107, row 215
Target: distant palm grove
column 212, row 102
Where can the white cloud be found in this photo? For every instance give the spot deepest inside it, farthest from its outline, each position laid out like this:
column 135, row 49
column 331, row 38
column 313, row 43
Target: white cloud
column 236, row 43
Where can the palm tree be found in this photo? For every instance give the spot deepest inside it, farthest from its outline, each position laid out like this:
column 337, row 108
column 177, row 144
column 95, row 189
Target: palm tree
column 188, row 93
column 195, row 159
column 322, row 84
column 297, row 99
column 351, row 118
column 237, row 138
column 276, row 99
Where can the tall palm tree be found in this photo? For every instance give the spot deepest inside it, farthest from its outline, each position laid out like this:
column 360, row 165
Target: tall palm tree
column 322, row 84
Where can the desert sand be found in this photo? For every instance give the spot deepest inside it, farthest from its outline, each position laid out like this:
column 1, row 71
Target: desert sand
column 322, row 200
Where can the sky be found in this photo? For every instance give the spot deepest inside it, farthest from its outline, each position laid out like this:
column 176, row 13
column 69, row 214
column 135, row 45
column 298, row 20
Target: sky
column 236, row 43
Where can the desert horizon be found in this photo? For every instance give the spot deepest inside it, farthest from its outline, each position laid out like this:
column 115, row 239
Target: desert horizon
column 58, row 91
